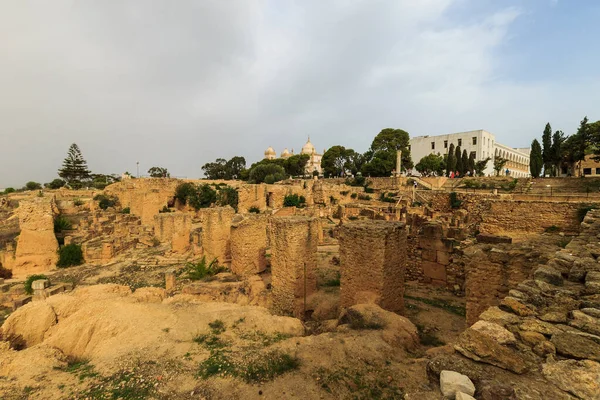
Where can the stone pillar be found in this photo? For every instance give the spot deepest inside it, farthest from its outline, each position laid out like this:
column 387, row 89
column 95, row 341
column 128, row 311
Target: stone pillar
column 373, row 263
column 398, row 162
column 293, row 263
column 435, row 253
column 39, row 288
column 170, row 280
column 216, row 226
column 36, row 245
column 108, row 251
column 248, row 244
column 174, row 228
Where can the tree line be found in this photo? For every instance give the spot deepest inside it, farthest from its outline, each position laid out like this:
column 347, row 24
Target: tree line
column 558, row 150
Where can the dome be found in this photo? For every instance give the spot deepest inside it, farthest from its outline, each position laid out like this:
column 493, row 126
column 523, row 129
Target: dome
column 285, row 153
column 308, row 148
column 270, row 152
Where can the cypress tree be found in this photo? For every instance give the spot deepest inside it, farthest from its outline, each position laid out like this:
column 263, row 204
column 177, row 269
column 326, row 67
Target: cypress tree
column 451, row 161
column 536, row 159
column 472, row 163
column 74, row 169
column 465, row 163
column 458, row 156
column 547, row 149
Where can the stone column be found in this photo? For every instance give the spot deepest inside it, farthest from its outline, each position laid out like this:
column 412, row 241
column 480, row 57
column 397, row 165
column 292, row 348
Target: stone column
column 170, row 280
column 435, row 253
column 373, row 263
column 216, row 226
column 248, row 244
column 293, row 263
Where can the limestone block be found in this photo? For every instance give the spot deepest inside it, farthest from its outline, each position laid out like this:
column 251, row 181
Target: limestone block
column 174, row 228
column 580, row 378
column 216, row 226
column 443, row 257
column 495, row 331
column 463, row 396
column 452, row 382
column 170, row 280
column 294, row 243
column 548, row 275
column 434, row 270
column 249, row 244
column 40, row 284
column 373, row 259
column 576, row 346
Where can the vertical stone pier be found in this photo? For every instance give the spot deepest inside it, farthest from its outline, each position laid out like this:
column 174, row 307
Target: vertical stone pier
column 373, row 263
column 248, row 244
column 216, row 226
column 436, row 253
column 293, row 262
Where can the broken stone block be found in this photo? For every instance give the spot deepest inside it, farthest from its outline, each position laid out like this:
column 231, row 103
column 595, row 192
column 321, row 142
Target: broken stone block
column 579, row 378
column 513, row 305
column 21, row 301
column 592, row 282
column 495, row 331
column 576, row 346
column 488, row 238
column 585, row 322
column 170, row 280
column 548, row 275
column 40, row 284
column 4, row 288
column 452, row 382
column 463, row 396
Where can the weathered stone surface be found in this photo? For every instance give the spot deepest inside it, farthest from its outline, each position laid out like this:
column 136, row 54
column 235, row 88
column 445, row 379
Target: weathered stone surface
column 488, row 238
column 216, row 226
column 373, row 259
column 32, row 321
column 503, row 318
column 516, row 307
column 463, row 396
column 592, row 312
column 592, row 282
column 548, row 275
column 248, row 244
column 452, row 382
column 476, row 371
column 579, row 378
column 495, row 331
column 40, row 284
column 576, row 346
column 554, row 316
column 531, row 338
column 480, row 347
column 585, row 322
column 535, row 325
column 497, row 391
column 544, row 348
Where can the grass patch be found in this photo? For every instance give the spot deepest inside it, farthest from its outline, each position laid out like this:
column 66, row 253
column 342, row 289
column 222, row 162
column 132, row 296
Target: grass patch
column 123, row 385
column 264, row 339
column 211, row 342
column 458, row 310
column 217, row 326
column 369, row 384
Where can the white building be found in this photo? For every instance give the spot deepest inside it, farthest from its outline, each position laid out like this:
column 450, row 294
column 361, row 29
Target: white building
column 314, row 160
column 480, row 142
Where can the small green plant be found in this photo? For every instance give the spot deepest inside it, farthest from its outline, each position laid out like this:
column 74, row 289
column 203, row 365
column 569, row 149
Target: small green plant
column 217, row 326
column 344, row 192
column 201, row 270
column 211, row 342
column 267, row 366
column 105, row 202
column 126, row 210
column 385, row 197
column 354, row 195
column 369, row 190
column 69, row 256
column 77, row 202
column 254, row 210
column 29, row 281
column 364, row 197
column 61, row 224
column 454, row 201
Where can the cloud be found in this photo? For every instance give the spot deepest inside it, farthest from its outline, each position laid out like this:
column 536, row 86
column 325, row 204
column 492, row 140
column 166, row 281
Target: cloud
column 180, row 84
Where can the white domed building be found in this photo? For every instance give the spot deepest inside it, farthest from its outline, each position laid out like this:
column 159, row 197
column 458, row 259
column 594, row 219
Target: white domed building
column 314, row 160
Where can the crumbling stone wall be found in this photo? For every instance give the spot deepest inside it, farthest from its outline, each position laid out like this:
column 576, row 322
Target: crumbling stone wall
column 216, row 226
column 37, row 246
column 372, row 263
column 248, row 244
column 293, row 263
column 252, row 196
column 174, row 228
column 435, row 253
column 276, row 193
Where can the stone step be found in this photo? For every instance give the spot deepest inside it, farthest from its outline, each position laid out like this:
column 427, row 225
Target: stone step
column 21, row 301
column 4, row 288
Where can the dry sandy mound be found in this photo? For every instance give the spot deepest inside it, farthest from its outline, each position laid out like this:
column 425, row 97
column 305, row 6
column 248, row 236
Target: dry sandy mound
column 105, row 322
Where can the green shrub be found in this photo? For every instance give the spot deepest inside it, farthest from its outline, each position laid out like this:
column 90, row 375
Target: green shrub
column 9, row 190
column 228, row 196
column 386, row 198
column 454, row 201
column 293, row 200
column 69, row 256
column 356, row 181
column 126, row 210
column 354, row 195
column 55, row 184
column 364, row 197
column 369, row 190
column 184, row 191
column 77, row 202
column 254, row 210
column 105, row 202
column 61, row 224
column 203, row 197
column 30, row 280
column 201, row 270
column 32, row 186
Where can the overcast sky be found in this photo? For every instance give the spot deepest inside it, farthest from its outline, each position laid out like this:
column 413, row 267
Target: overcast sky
column 180, row 83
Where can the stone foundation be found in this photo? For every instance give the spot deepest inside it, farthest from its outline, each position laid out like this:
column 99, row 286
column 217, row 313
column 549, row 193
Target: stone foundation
column 372, row 264
column 216, row 226
column 248, row 244
column 174, row 228
column 293, row 263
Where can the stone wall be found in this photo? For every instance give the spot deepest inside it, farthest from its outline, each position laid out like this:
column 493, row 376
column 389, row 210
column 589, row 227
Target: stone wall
column 174, row 228
column 293, row 263
column 216, row 226
column 436, row 253
column 252, row 196
column 248, row 244
column 37, row 247
column 372, row 264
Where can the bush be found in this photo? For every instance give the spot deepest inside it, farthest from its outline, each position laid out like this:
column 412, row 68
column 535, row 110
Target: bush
column 32, row 186
column 30, row 280
column 105, row 202
column 55, row 184
column 386, row 198
column 293, row 200
column 356, row 181
column 61, row 224
column 344, row 192
column 9, row 190
column 254, row 210
column 200, row 270
column 69, row 256
column 184, row 191
column 204, row 197
column 454, row 201
column 126, row 210
column 77, row 202
column 364, row 197
column 228, row 196
column 354, row 195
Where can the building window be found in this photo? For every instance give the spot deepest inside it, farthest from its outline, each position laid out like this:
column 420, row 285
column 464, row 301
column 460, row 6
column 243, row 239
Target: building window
column 597, row 171
column 460, row 142
column 473, row 155
column 432, row 145
column 409, row 147
column 587, row 171
column 445, row 144
column 474, row 140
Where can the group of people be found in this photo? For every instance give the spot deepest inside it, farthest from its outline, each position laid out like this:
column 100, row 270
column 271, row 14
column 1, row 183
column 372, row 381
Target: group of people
column 457, row 174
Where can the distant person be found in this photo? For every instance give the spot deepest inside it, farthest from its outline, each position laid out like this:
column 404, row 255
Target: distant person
column 415, row 184
column 451, row 174
column 457, row 174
